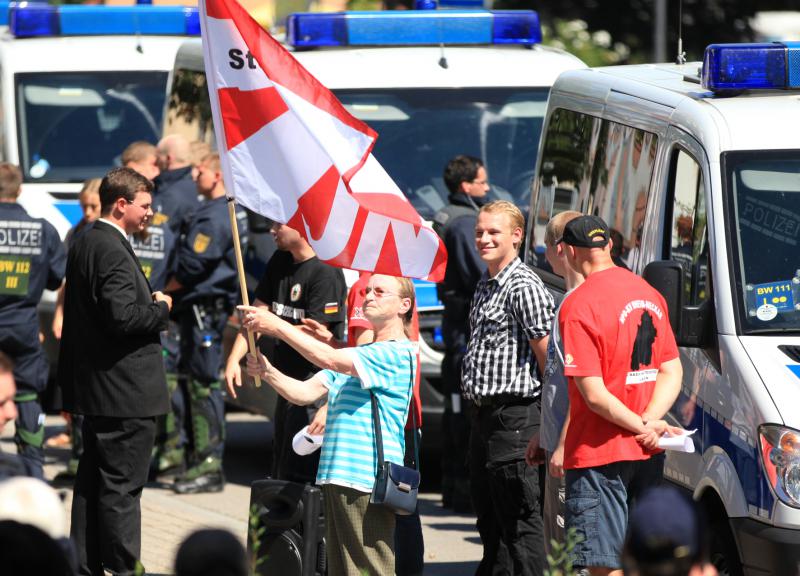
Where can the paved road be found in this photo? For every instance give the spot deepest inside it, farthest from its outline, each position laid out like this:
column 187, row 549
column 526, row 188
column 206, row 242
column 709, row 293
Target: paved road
column 452, row 544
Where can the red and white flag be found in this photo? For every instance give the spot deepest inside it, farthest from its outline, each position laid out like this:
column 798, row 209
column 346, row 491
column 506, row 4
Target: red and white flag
column 291, row 152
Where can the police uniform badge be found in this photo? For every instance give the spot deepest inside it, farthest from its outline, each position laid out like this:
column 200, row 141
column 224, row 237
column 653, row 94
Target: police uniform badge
column 159, row 219
column 296, row 291
column 201, row 242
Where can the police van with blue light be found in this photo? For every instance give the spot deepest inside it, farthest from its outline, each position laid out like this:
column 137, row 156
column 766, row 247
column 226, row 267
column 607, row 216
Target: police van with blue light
column 696, row 167
column 433, row 84
column 79, row 83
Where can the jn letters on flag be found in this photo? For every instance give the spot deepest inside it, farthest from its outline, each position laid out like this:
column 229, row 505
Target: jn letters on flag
column 291, row 152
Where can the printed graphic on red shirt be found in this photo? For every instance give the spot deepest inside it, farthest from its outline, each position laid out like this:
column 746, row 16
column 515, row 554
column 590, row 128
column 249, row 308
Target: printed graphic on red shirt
column 614, row 326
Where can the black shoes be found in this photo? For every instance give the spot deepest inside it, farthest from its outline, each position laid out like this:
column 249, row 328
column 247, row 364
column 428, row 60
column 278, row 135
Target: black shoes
column 206, row 476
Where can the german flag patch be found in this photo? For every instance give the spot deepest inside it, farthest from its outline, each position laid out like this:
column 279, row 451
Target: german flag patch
column 331, row 308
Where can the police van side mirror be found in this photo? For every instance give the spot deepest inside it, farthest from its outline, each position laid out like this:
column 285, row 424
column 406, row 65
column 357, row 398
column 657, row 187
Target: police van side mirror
column 666, row 276
column 690, row 324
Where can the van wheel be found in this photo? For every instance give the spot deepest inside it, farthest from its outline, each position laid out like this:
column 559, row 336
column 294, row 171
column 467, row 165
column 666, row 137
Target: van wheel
column 723, row 553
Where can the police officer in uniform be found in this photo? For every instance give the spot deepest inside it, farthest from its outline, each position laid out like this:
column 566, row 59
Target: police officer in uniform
column 32, row 258
column 467, row 182
column 156, row 248
column 207, row 282
column 175, row 197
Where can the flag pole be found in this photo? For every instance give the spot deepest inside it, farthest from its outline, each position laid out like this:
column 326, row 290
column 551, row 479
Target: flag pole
column 237, row 247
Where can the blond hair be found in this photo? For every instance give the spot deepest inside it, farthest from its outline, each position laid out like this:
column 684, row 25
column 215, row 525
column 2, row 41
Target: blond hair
column 515, row 217
column 407, row 291
column 137, row 152
column 555, row 228
column 212, row 161
column 90, row 186
column 199, row 150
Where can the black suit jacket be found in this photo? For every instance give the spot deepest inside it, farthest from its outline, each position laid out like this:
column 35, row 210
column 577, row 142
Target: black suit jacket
column 110, row 361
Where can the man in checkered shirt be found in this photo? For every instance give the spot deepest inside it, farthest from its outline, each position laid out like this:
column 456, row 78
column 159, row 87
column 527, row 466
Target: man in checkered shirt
column 510, row 321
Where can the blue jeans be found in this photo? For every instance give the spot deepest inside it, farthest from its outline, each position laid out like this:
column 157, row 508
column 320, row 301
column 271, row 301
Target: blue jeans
column 597, row 503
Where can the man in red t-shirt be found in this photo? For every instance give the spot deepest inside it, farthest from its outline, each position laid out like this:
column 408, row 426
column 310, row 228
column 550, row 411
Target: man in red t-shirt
column 624, row 374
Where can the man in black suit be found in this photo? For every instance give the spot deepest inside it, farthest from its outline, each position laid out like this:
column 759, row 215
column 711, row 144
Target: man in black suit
column 111, row 371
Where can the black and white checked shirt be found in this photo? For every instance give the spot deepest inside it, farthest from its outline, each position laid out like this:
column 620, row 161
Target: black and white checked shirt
column 507, row 312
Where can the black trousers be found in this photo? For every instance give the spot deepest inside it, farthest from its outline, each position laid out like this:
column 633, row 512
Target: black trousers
column 409, row 546
column 286, row 463
column 106, row 513
column 505, row 490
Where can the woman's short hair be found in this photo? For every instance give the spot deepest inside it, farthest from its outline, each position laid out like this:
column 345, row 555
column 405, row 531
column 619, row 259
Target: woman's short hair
column 121, row 183
column 407, row 291
column 90, row 186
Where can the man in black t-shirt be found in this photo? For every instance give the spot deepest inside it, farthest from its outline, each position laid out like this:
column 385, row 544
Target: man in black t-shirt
column 295, row 285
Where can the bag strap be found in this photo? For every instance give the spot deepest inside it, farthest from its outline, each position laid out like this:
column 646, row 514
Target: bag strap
column 376, row 424
column 376, row 420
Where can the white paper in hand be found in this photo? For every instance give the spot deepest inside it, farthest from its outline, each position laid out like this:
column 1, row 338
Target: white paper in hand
column 305, row 443
column 680, row 442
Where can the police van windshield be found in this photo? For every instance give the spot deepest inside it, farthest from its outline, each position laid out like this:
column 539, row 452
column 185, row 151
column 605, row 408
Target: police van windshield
column 73, row 126
column 764, row 196
column 419, row 130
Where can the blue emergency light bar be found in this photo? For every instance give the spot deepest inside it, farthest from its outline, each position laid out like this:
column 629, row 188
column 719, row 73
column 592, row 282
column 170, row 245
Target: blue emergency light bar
column 4, row 13
column 765, row 66
column 6, row 6
column 29, row 19
column 413, row 28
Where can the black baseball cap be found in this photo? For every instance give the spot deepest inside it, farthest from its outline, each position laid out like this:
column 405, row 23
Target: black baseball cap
column 586, row 232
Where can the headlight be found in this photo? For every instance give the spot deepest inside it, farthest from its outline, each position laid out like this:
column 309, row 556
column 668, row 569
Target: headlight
column 780, row 456
column 791, row 481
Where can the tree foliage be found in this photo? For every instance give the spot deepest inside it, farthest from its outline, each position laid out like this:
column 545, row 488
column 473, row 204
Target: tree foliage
column 630, row 22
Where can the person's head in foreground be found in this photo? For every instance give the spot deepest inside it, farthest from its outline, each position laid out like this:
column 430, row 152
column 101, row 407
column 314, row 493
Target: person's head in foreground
column 34, row 538
column 211, row 553
column 666, row 536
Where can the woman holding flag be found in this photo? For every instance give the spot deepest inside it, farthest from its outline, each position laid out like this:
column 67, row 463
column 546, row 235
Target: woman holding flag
column 360, row 537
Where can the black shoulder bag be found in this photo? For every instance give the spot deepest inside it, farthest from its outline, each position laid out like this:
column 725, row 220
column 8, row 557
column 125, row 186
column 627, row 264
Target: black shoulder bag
column 396, row 486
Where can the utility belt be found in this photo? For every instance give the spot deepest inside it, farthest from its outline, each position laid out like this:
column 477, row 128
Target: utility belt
column 210, row 304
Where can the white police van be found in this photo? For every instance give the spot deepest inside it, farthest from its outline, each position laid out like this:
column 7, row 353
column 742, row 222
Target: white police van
column 697, row 168
column 433, row 84
column 78, row 84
